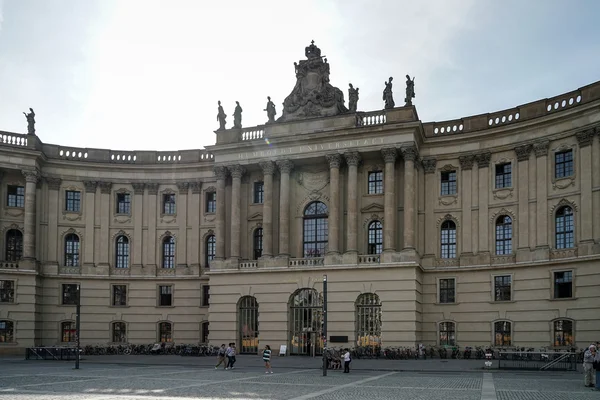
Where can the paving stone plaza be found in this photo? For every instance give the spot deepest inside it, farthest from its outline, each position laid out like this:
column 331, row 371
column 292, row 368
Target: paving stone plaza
column 49, row 380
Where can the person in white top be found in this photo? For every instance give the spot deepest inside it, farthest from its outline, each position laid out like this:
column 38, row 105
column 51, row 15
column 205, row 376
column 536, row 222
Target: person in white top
column 347, row 361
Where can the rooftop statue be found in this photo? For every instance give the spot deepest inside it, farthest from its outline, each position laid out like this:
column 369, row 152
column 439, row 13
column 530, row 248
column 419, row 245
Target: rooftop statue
column 30, row 122
column 221, row 116
column 313, row 95
column 271, row 112
column 352, row 98
column 388, row 96
column 410, row 90
column 237, row 116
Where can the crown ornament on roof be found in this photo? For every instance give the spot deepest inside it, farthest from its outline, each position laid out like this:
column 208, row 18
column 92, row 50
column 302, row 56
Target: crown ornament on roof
column 312, row 51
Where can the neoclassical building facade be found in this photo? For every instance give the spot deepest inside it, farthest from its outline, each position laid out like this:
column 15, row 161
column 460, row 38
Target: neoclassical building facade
column 483, row 230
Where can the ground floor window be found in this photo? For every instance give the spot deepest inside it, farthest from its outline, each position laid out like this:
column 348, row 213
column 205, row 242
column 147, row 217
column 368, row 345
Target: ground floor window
column 563, row 333
column 68, row 331
column 368, row 320
column 502, row 333
column 447, row 333
column 306, row 310
column 165, row 332
column 119, row 332
column 7, row 333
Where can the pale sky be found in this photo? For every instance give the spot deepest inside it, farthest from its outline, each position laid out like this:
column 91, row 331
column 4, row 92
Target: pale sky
column 147, row 74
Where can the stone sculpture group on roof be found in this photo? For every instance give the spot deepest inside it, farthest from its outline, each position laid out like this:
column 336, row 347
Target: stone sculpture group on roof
column 313, row 96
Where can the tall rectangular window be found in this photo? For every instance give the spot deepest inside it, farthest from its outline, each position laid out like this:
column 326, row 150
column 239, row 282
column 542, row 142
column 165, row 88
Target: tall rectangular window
column 119, row 295
column 259, row 192
column 563, row 284
column 69, row 294
column 123, row 203
column 375, row 182
column 448, row 183
column 165, row 296
column 169, row 204
column 205, row 295
column 73, row 201
column 7, row 291
column 15, row 196
column 563, row 164
column 503, row 175
column 502, row 288
column 447, row 290
column 211, row 202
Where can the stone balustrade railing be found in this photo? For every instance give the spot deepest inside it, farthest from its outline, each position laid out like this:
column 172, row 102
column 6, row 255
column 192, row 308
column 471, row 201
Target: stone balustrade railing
column 248, row 264
column 13, row 139
column 370, row 118
column 253, row 133
column 369, row 259
column 307, row 262
column 9, row 265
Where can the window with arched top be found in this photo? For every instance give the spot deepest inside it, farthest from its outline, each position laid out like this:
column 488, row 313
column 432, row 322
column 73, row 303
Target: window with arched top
column 168, row 252
column 14, row 245
column 122, row 252
column 448, row 239
column 316, row 231
column 305, row 322
column 564, row 228
column 258, row 243
column 368, row 320
column 72, row 247
column 375, row 239
column 248, row 325
column 502, row 333
column 504, row 235
column 447, row 333
column 165, row 332
column 211, row 248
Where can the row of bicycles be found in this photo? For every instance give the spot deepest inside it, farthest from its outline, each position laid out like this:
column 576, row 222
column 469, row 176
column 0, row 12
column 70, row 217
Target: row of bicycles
column 197, row 350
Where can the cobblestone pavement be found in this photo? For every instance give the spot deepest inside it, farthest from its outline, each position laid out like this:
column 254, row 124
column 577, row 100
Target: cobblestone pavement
column 48, row 380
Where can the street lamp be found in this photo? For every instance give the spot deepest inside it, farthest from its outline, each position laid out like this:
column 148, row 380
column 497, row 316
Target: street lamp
column 324, row 333
column 77, row 322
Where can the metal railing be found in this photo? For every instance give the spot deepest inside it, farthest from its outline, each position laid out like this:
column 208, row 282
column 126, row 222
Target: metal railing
column 51, row 353
column 535, row 360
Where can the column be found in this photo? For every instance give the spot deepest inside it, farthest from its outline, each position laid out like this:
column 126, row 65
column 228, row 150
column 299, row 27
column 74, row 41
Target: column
column 138, row 217
column 389, row 198
column 595, row 184
column 334, row 160
column 541, row 154
column 352, row 159
column 532, row 186
column 193, row 244
column 268, row 168
column 523, row 153
column 466, row 167
column 53, row 211
column 149, row 245
column 105, row 191
column 483, row 165
column 31, row 178
column 285, row 167
column 475, row 211
column 221, row 174
column 236, row 171
column 181, row 244
column 90, row 212
column 429, row 166
column 409, row 153
column 585, row 140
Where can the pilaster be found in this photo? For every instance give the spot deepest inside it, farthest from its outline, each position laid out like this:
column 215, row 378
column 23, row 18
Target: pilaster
column 105, row 213
column 221, row 174
column 410, row 154
column 268, row 168
column 182, row 221
column 353, row 158
column 90, row 211
column 31, row 179
column 335, row 161
column 389, row 199
column 541, row 152
column 483, row 164
column 585, row 140
column 523, row 154
column 285, row 168
column 150, row 244
column 466, row 167
column 236, row 171
column 429, row 166
column 596, row 186
column 193, row 243
column 138, row 213
column 53, row 212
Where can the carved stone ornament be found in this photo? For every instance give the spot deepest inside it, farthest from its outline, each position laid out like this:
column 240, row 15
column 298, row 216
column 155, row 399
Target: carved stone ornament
column 183, row 187
column 31, row 176
column 466, row 162
column 268, row 167
column 138, row 187
column 196, row 187
column 313, row 181
column 220, row 172
column 410, row 153
column 585, row 138
column 90, row 186
column 105, row 187
column 334, row 160
column 390, row 154
column 285, row 166
column 236, row 171
column 352, row 158
column 541, row 148
column 313, row 95
column 429, row 165
column 523, row 152
column 54, row 183
column 152, row 187
column 483, row 160
column 502, row 194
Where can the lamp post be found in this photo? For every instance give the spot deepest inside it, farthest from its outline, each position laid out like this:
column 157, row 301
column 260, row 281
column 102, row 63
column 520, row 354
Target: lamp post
column 77, row 322
column 324, row 333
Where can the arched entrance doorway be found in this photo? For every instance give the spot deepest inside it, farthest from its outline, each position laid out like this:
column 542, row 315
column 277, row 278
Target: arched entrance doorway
column 306, row 310
column 248, row 325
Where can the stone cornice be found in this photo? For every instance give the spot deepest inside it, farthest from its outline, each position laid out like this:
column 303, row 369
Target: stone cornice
column 389, row 154
column 334, row 160
column 285, row 166
column 523, row 152
column 466, row 162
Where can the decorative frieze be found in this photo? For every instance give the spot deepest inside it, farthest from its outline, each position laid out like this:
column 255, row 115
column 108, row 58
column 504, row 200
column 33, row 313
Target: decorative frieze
column 585, row 138
column 390, row 154
column 138, row 187
column 90, row 186
column 466, row 162
column 483, row 159
column 353, row 158
column 523, row 152
column 268, row 167
column 105, row 187
column 152, row 188
column 541, row 148
column 429, row 165
column 285, row 166
column 54, row 183
column 334, row 160
column 236, row 171
column 410, row 152
column 220, row 172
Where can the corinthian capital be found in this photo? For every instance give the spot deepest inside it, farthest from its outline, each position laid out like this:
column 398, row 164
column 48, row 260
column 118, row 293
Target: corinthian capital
column 268, row 167
column 483, row 159
column 586, row 137
column 389, row 154
column 334, row 160
column 285, row 166
column 105, row 187
column 138, row 187
column 410, row 152
column 236, row 171
column 90, row 186
column 352, row 158
column 523, row 152
column 31, row 176
column 152, row 187
column 220, row 172
column 183, row 187
column 53, row 183
column 429, row 165
column 466, row 162
column 541, row 148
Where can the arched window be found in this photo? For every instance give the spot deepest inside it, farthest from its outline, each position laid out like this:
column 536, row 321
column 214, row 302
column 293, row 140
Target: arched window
column 368, row 320
column 248, row 325
column 448, row 239
column 315, row 230
column 71, row 250
column 165, row 332
column 258, row 243
column 7, row 331
column 563, row 332
column 68, row 332
column 119, row 332
column 564, row 228
column 211, row 248
column 14, row 245
column 504, row 235
column 502, row 333
column 447, row 333
column 122, row 253
column 168, row 252
column 306, row 310
column 375, row 245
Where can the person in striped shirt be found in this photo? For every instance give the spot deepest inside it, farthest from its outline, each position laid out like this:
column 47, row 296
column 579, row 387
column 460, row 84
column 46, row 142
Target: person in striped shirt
column 267, row 359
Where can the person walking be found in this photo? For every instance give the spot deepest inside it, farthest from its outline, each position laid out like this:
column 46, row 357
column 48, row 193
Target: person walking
column 347, row 361
column 267, row 359
column 588, row 366
column 221, row 357
column 230, row 356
